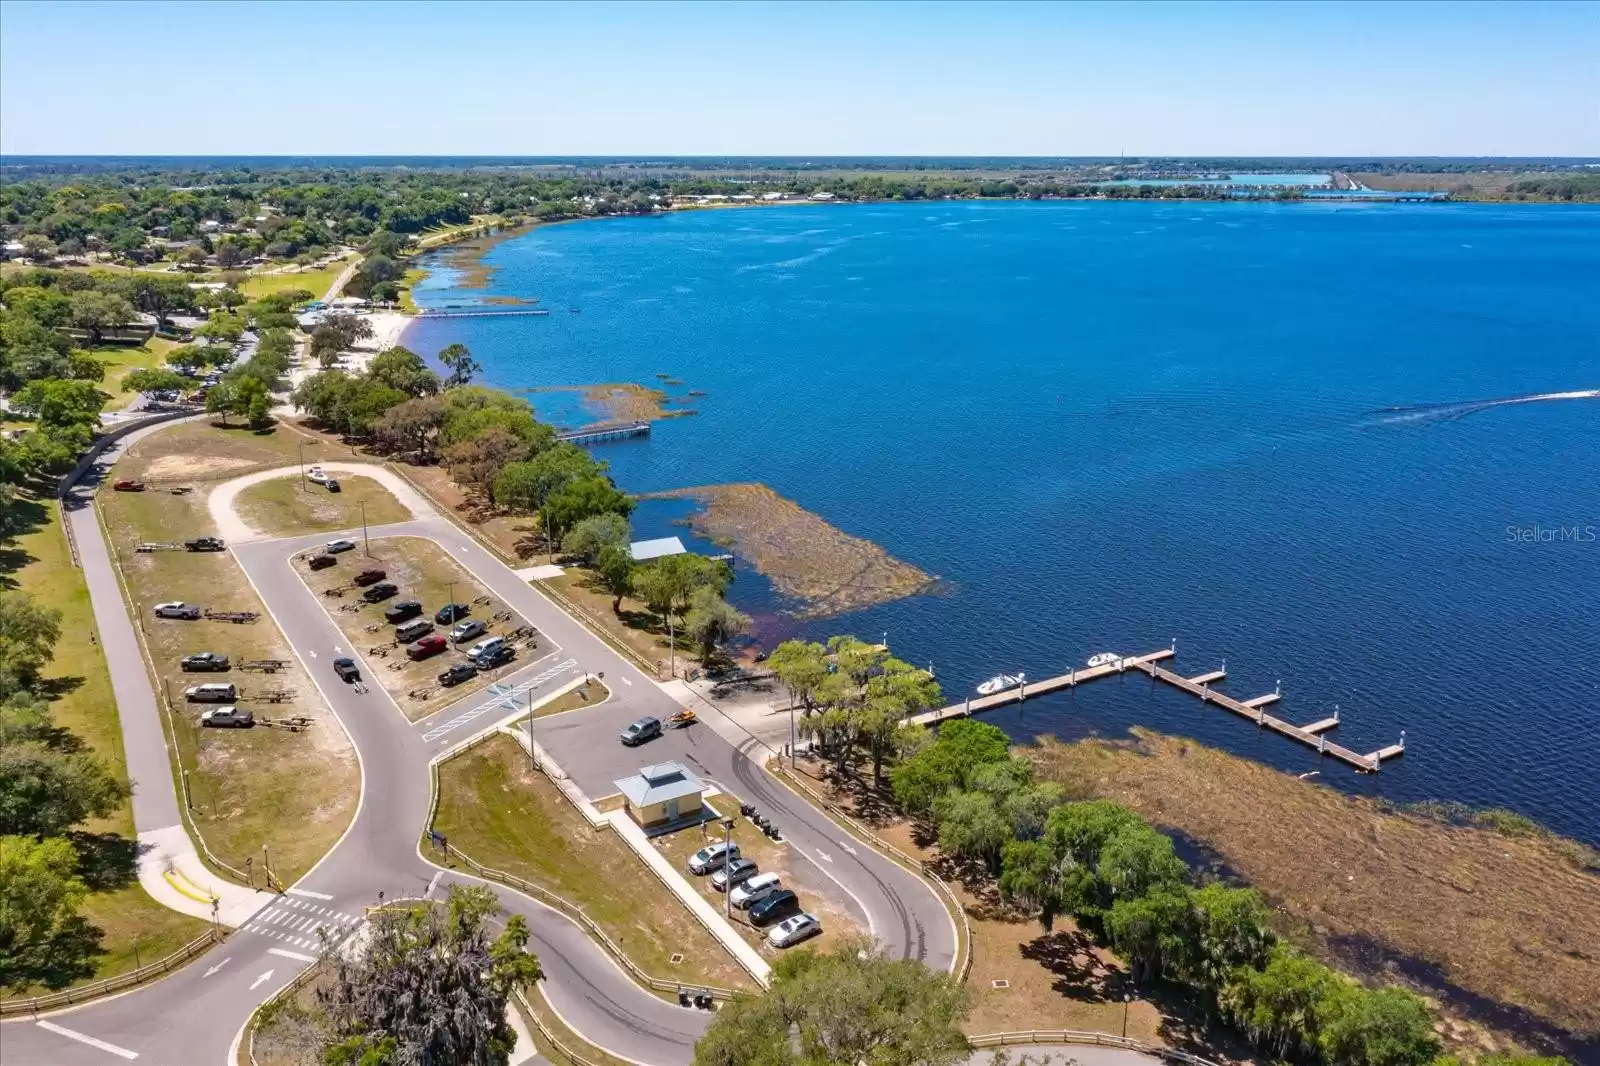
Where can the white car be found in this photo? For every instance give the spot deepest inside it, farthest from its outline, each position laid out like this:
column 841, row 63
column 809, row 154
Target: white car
column 177, row 609
column 485, row 647
column 317, row 474
column 793, row 929
column 711, row 857
column 754, row 890
column 334, row 547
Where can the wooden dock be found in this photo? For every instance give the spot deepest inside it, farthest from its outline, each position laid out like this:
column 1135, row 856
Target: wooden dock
column 497, row 313
column 605, row 431
column 1313, row 735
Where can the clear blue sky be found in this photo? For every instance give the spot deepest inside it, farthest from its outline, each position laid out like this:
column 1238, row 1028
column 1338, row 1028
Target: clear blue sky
column 835, row 78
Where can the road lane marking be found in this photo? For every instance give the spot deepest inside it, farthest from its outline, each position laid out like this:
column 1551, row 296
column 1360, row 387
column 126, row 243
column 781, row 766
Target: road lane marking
column 625, row 681
column 308, row 894
column 219, row 965
column 824, row 856
column 433, row 884
column 505, row 701
column 73, row 1034
column 263, row 979
column 290, row 954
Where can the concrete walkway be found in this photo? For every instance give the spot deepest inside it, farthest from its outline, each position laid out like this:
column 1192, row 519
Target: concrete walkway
column 234, row 529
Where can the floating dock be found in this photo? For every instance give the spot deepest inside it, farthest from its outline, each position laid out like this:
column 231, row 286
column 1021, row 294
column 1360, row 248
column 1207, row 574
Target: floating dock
column 605, row 431
column 1313, row 735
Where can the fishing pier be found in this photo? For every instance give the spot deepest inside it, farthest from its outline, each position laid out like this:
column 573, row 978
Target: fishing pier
column 1313, row 735
column 483, row 313
column 605, row 431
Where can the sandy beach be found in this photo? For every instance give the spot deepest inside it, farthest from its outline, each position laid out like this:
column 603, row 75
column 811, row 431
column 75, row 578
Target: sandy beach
column 387, row 329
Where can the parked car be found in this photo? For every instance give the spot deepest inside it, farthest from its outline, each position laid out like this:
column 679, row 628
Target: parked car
column 638, row 732
column 415, row 629
column 712, row 856
column 177, row 609
column 754, row 890
column 203, row 662
column 794, row 929
column 484, row 646
column 734, row 872
column 452, row 612
column 775, row 906
column 316, row 473
column 462, row 632
column 347, row 670
column 127, row 484
column 323, row 561
column 205, row 544
column 212, row 692
column 370, row 577
column 332, row 485
column 396, row 613
column 380, row 592
column 343, row 544
column 228, row 716
column 427, row 647
column 498, row 655
column 457, row 673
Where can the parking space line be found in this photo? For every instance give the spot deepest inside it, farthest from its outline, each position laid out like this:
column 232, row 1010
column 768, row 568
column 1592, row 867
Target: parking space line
column 503, row 701
column 82, row 1038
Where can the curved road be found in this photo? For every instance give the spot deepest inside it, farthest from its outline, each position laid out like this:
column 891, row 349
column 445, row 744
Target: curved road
column 196, row 1015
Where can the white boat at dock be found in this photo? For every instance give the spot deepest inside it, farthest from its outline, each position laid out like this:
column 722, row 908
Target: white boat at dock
column 1000, row 682
column 1105, row 658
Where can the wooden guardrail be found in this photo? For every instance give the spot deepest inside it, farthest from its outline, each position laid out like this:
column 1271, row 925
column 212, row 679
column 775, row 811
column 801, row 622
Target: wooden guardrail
column 1078, row 1036
column 550, row 1038
column 961, row 966
column 73, row 996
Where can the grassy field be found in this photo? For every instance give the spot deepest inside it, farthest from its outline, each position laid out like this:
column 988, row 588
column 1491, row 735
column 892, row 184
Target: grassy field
column 121, row 360
column 136, row 929
column 592, row 694
column 193, row 452
column 423, row 572
column 315, row 281
column 288, row 507
column 1501, row 927
column 771, row 857
column 503, row 813
column 291, row 792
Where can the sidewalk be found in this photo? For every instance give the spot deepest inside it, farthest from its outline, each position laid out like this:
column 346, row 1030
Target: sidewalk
column 172, row 873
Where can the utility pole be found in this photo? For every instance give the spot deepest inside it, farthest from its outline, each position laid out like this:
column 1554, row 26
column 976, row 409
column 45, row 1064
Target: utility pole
column 727, row 886
column 303, row 488
column 366, row 546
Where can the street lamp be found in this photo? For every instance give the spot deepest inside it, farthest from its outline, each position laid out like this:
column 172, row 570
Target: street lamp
column 366, row 547
column 727, row 883
column 1127, row 997
column 302, row 445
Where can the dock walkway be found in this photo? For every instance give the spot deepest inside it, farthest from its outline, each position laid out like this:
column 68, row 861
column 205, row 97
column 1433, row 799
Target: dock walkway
column 605, row 431
column 1031, row 689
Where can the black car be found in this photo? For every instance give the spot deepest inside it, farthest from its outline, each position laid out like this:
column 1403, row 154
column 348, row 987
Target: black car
column 775, row 906
column 347, row 669
column 332, row 485
column 451, row 612
column 204, row 662
column 381, row 591
column 399, row 612
column 458, row 673
column 205, row 544
column 322, row 562
column 496, row 656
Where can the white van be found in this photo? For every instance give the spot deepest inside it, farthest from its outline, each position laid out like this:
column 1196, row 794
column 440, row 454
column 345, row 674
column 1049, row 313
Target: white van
column 212, row 692
column 754, row 890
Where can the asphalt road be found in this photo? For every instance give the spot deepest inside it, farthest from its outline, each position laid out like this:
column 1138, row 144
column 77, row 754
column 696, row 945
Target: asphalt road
column 196, row 1014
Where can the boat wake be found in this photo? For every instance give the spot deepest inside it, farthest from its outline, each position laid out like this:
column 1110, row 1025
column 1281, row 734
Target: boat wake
column 1450, row 412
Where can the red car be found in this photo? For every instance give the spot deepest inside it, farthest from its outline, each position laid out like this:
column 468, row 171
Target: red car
column 427, row 647
column 127, row 484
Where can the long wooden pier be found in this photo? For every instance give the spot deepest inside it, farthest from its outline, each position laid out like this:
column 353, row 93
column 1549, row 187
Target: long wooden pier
column 501, row 313
column 605, row 431
column 1313, row 735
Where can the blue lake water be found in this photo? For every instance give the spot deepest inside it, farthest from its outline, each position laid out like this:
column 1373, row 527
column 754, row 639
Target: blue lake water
column 1106, row 425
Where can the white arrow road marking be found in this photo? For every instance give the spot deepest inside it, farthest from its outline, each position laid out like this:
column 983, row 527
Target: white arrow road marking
column 847, row 847
column 433, row 885
column 313, row 654
column 290, row 955
column 219, row 965
column 824, row 856
column 308, row 894
column 625, row 681
column 338, row 649
column 72, row 1034
column 259, row 981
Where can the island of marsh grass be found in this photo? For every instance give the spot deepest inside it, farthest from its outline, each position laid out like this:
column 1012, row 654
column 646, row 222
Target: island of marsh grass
column 424, row 572
column 291, row 792
column 1498, row 922
column 496, row 808
column 135, row 929
column 289, row 506
column 622, row 401
column 829, row 571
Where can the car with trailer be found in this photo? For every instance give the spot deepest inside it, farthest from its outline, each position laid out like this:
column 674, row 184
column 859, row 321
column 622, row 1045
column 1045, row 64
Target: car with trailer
column 178, row 609
column 226, row 717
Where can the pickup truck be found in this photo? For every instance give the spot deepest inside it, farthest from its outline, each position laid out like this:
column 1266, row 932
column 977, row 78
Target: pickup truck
column 177, row 609
column 204, row 662
column 127, row 484
column 205, row 544
column 220, row 717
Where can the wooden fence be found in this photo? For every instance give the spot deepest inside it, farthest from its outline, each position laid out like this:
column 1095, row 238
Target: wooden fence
column 1078, row 1036
column 73, row 996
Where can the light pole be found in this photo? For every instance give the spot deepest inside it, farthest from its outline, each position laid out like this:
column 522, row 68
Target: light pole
column 1127, row 997
column 727, row 884
column 366, row 546
column 302, row 446
column 791, row 731
column 672, row 646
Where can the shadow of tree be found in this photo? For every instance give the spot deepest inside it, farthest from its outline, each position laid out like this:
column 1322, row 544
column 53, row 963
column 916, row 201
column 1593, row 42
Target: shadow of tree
column 106, row 861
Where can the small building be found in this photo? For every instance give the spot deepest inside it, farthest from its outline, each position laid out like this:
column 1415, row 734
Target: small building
column 663, row 794
column 645, row 550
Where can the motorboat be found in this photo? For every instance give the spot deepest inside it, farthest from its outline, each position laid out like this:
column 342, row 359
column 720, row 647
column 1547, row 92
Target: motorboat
column 1105, row 658
column 999, row 683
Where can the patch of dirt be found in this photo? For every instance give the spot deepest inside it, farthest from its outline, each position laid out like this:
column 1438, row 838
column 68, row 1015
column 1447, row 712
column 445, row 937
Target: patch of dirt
column 195, row 466
column 827, row 569
column 1502, row 930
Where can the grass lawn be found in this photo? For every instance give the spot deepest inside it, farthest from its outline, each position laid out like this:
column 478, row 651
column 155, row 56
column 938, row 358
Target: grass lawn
column 190, row 452
column 136, row 929
column 592, row 694
column 288, row 507
column 425, row 573
column 410, row 278
column 503, row 813
column 770, row 857
column 634, row 626
column 291, row 792
column 316, row 282
column 121, row 360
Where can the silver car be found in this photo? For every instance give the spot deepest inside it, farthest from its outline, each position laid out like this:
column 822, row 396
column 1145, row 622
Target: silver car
column 712, row 856
column 733, row 873
column 794, row 929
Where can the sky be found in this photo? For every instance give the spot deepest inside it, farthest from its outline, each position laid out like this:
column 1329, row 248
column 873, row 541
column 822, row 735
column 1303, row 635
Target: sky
column 908, row 78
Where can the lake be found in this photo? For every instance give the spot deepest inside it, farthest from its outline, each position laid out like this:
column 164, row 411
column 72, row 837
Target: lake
column 1252, row 427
